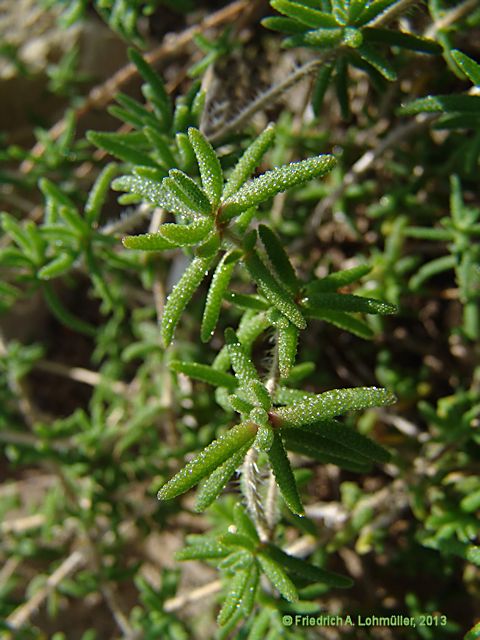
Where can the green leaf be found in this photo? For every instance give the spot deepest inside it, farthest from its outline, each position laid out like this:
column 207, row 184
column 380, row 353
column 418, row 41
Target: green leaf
column 241, row 363
column 334, row 281
column 57, row 267
column 249, row 161
column 246, row 301
column 154, row 192
column 156, row 85
column 98, row 193
column 202, row 547
column 148, row 242
column 348, row 302
column 342, row 320
column 348, row 437
column 432, row 268
column 443, row 103
column 63, row 315
column 276, row 181
column 243, row 523
column 469, row 67
column 180, row 296
column 284, row 475
column 324, row 38
column 273, row 290
column 205, row 373
column 216, row 292
column 287, row 348
column 209, row 165
column 377, row 61
column 308, row 571
column 208, row 460
column 283, row 25
column 332, row 403
column 214, row 485
column 110, row 143
column 186, row 190
column 184, row 235
column 404, row 40
column 251, row 326
column 305, row 15
column 325, row 450
column 279, row 259
column 320, row 87
column 242, row 589
column 277, row 576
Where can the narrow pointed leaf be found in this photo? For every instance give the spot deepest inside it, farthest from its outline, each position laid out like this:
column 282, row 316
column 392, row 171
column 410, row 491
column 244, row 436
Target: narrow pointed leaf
column 320, row 88
column 153, row 191
column 334, row 281
column 209, row 165
column 325, row 451
column 205, row 373
column 241, row 363
column 213, row 486
column 283, row 25
column 272, row 290
column 202, row 547
column 306, row 15
column 250, row 327
column 180, row 296
column 322, row 38
column 317, row 441
column 308, row 571
column 445, row 103
column 186, row 190
column 333, row 403
column 98, row 193
column 114, row 147
column 233, row 598
column 351, row 439
column 377, row 61
column 284, row 475
column 216, row 292
column 156, row 85
column 277, row 576
column 208, row 460
column 278, row 258
column 249, row 161
column 148, row 242
column 432, row 268
column 348, row 302
column 184, row 235
column 403, row 40
column 342, row 320
column 246, row 301
column 287, row 348
column 57, row 267
column 276, row 181
column 469, row 67
column 243, row 523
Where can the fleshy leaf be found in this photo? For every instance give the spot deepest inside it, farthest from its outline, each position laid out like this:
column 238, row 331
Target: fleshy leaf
column 209, row 165
column 287, row 348
column 334, row 281
column 208, row 460
column 273, row 290
column 154, row 192
column 469, row 67
column 277, row 576
column 308, row 571
column 332, row 403
column 275, row 181
column 204, row 373
column 348, row 302
column 278, row 258
column 180, row 295
column 248, row 162
column 284, row 475
column 306, row 15
column 215, row 483
column 241, row 363
column 216, row 292
column 186, row 190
